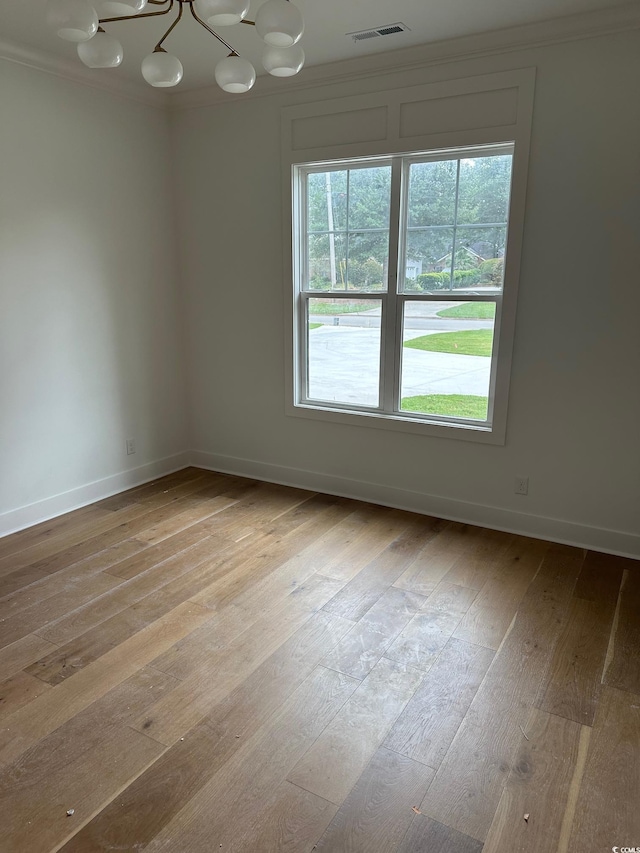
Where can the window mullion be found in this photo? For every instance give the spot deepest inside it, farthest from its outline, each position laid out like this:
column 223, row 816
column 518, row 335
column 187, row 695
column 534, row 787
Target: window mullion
column 389, row 367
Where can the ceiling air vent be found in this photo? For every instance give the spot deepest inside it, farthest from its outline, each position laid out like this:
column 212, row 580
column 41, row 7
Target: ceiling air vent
column 388, row 30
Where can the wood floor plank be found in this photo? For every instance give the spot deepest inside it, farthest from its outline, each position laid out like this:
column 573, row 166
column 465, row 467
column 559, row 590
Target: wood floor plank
column 67, row 660
column 425, row 729
column 469, row 782
column 385, row 526
column 126, row 593
column 361, row 593
column 295, row 531
column 194, row 697
column 425, row 572
column 114, row 528
column 22, row 653
column 38, row 615
column 43, row 715
column 334, row 763
column 48, row 530
column 81, row 766
column 476, row 541
column 377, row 813
column 18, row 580
column 623, row 663
column 224, row 662
column 573, row 681
column 539, row 786
column 153, row 800
column 124, row 559
column 487, row 620
column 50, row 584
column 424, row 638
column 470, row 571
column 426, row 834
column 258, row 579
column 289, row 824
column 17, row 691
column 183, row 520
column 96, row 535
column 600, row 578
column 607, row 808
column 359, row 651
column 163, row 485
column 451, row 598
column 250, row 780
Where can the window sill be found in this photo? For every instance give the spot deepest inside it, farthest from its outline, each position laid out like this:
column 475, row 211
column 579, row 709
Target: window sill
column 396, row 423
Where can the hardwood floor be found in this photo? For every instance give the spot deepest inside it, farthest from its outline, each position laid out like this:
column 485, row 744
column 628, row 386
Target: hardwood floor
column 212, row 663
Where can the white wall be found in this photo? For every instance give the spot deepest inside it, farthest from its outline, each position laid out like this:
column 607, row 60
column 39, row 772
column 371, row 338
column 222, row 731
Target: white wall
column 90, row 343
column 575, row 401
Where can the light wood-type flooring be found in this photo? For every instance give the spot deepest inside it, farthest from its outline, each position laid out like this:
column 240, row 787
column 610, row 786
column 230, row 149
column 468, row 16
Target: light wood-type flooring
column 208, row 663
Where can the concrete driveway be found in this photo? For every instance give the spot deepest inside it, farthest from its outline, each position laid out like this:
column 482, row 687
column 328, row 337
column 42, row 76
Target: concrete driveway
column 343, row 362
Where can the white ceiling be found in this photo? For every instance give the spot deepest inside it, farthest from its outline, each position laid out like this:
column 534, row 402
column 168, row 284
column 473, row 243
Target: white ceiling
column 324, row 41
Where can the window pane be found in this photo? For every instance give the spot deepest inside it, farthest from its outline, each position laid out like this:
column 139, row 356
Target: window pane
column 479, row 259
column 432, row 193
column 327, row 259
column 446, row 358
column 344, row 351
column 368, row 260
column 327, row 201
column 369, row 198
column 485, row 183
column 428, row 260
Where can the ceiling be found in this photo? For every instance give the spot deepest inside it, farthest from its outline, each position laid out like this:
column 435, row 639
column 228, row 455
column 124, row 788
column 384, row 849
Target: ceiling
column 324, row 41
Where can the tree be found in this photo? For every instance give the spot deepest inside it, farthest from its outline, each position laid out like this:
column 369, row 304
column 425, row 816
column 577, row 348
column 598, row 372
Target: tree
column 348, row 217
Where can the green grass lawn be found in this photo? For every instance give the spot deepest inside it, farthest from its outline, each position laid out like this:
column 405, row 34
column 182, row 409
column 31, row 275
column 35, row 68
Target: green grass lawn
column 451, row 405
column 470, row 311
column 340, row 307
column 469, row 342
column 315, row 325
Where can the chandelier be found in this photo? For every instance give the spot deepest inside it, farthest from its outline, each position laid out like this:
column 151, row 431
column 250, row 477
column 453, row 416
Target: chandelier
column 278, row 23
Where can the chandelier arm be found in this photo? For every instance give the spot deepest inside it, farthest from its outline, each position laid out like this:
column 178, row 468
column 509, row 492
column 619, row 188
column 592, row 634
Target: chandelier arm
column 243, row 21
column 141, row 15
column 213, row 33
column 159, row 47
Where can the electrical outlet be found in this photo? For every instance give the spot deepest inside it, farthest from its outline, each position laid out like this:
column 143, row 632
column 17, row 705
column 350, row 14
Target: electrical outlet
column 521, row 486
column 131, row 446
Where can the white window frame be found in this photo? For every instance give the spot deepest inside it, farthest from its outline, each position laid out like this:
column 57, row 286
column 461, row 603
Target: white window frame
column 378, row 127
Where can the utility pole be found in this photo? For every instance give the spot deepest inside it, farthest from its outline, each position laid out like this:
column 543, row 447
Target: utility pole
column 332, row 238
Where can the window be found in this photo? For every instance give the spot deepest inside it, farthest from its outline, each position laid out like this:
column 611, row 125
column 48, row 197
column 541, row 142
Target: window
column 399, row 275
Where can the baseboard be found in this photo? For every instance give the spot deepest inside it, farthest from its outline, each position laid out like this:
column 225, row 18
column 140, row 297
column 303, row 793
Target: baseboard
column 25, row 516
column 539, row 527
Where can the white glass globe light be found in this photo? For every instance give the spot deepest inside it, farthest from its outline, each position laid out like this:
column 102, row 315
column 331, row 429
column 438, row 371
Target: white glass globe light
column 235, row 74
column 162, row 70
column 102, row 51
column 72, row 20
column 223, row 13
column 279, row 23
column 119, row 7
column 283, row 61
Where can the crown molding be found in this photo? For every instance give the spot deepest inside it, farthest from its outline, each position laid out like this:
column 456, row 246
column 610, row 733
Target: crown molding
column 79, row 73
column 554, row 31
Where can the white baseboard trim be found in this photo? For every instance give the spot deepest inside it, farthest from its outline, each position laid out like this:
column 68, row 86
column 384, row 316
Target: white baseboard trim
column 25, row 516
column 539, row 527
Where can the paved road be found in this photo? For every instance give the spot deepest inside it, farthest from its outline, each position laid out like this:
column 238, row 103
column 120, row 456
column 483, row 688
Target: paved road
column 420, row 315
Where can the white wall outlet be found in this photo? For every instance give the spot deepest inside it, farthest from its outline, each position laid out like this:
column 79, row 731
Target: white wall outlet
column 521, row 486
column 131, row 446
